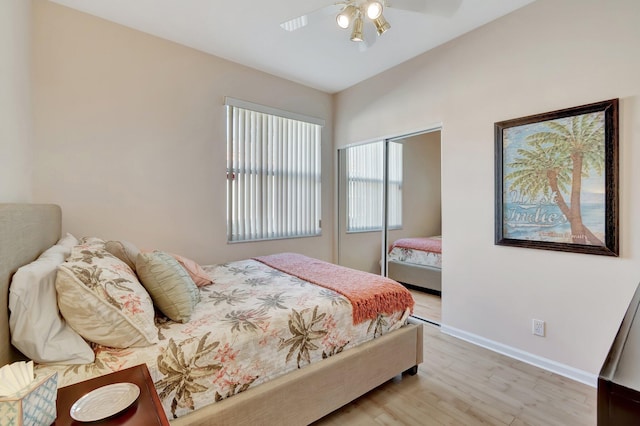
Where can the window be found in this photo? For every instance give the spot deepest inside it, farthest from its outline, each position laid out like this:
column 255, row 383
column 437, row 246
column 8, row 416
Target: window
column 273, row 173
column 365, row 184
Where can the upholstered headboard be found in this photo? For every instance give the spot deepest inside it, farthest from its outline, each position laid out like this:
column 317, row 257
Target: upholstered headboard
column 26, row 230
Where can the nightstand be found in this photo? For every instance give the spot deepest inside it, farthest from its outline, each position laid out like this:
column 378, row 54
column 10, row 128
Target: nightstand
column 145, row 411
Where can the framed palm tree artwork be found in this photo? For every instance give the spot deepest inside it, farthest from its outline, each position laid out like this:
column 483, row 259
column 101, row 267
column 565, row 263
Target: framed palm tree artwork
column 557, row 180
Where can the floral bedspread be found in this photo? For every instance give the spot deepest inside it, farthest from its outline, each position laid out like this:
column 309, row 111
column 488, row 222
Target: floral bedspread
column 253, row 324
column 405, row 253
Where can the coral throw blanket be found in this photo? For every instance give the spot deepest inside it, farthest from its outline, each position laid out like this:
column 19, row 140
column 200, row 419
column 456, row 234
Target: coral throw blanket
column 431, row 244
column 369, row 294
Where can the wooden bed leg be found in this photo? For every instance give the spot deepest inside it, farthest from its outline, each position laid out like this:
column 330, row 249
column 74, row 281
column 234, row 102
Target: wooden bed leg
column 412, row 371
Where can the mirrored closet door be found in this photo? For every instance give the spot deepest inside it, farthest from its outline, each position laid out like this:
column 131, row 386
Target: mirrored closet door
column 361, row 206
column 389, row 198
column 414, row 257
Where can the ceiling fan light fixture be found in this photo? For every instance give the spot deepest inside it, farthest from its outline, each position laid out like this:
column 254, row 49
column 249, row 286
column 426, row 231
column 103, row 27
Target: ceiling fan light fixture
column 356, row 34
column 381, row 25
column 345, row 17
column 374, row 10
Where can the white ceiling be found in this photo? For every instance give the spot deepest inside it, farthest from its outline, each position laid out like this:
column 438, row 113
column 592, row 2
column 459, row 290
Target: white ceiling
column 320, row 55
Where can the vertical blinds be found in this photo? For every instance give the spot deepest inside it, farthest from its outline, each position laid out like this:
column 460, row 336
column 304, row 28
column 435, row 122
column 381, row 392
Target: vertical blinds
column 365, row 183
column 273, row 175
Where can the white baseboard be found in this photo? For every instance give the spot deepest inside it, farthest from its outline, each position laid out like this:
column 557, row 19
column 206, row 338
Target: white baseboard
column 544, row 363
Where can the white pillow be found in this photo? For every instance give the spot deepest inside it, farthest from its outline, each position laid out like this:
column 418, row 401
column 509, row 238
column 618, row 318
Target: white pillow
column 68, row 242
column 102, row 299
column 37, row 329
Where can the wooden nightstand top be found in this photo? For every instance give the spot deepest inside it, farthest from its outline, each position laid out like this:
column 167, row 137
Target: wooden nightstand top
column 145, row 411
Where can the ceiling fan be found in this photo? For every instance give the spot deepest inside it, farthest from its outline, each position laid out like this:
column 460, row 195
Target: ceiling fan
column 354, row 14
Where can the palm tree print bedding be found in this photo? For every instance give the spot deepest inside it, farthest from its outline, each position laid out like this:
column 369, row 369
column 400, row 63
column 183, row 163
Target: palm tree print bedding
column 253, row 324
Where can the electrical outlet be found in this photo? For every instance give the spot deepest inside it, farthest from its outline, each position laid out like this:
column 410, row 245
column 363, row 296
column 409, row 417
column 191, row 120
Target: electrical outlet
column 538, row 327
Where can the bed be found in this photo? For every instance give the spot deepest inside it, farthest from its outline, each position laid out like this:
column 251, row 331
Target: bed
column 290, row 398
column 417, row 262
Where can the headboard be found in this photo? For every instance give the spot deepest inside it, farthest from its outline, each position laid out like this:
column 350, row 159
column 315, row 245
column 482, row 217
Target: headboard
column 26, row 230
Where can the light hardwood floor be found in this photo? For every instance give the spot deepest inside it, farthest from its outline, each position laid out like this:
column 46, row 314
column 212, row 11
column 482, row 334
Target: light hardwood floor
column 463, row 384
column 428, row 306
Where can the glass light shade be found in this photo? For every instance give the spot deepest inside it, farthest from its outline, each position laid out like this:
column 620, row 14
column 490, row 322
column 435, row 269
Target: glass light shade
column 374, row 10
column 344, row 18
column 356, row 35
column 381, row 25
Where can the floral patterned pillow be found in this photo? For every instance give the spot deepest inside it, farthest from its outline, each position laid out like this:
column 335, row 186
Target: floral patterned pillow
column 125, row 251
column 102, row 300
column 92, row 242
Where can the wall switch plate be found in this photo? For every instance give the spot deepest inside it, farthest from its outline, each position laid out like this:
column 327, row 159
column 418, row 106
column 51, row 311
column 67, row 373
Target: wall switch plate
column 538, row 328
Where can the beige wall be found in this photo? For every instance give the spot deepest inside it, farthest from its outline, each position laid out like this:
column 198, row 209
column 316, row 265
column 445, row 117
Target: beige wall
column 130, row 136
column 15, row 101
column 548, row 56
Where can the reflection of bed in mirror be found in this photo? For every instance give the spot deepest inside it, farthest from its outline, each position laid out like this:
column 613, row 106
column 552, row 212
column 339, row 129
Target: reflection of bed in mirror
column 417, row 262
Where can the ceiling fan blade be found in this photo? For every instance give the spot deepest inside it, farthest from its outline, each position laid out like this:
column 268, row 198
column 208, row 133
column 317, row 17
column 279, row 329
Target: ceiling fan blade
column 311, row 17
column 446, row 8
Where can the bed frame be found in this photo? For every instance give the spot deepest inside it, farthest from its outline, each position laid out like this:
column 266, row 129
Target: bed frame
column 425, row 277
column 26, row 230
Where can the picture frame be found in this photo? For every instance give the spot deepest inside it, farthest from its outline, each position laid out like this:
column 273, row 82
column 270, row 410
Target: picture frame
column 545, row 164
